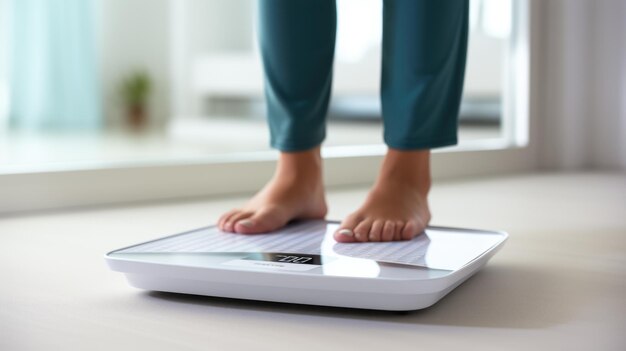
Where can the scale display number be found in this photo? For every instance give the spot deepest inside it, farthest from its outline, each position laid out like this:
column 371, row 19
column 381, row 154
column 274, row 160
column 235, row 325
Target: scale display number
column 287, row 258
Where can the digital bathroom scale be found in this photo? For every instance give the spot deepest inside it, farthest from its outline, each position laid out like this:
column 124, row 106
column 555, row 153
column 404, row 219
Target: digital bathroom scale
column 303, row 264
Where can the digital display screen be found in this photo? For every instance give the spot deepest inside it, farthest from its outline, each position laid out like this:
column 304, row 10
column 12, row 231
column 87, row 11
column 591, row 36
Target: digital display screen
column 289, row 258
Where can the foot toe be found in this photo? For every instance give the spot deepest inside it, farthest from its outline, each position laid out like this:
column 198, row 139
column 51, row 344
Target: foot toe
column 388, row 230
column 409, row 231
column 362, row 230
column 232, row 221
column 345, row 233
column 376, row 231
column 259, row 222
column 224, row 218
column 397, row 232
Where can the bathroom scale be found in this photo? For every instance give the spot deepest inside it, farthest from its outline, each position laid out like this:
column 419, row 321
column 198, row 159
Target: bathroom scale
column 302, row 263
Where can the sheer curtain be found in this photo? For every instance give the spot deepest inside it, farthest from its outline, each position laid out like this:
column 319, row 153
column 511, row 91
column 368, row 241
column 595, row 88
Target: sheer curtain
column 51, row 64
column 4, row 88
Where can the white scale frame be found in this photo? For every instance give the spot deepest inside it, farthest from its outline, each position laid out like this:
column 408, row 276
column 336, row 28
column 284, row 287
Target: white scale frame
column 336, row 280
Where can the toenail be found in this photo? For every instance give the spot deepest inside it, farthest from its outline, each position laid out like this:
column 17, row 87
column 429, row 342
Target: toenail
column 372, row 237
column 246, row 223
column 346, row 232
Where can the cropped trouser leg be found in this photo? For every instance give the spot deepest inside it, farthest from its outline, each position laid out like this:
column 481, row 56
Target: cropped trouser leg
column 297, row 40
column 424, row 54
column 424, row 51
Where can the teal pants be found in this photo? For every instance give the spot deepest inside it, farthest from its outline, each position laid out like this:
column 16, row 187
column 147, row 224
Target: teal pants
column 424, row 51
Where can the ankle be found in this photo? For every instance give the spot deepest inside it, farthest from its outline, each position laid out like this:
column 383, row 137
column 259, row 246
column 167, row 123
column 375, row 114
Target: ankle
column 408, row 168
column 302, row 165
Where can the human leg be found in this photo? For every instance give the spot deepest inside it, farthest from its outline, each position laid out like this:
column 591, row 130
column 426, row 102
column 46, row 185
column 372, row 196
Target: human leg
column 297, row 39
column 424, row 54
column 424, row 50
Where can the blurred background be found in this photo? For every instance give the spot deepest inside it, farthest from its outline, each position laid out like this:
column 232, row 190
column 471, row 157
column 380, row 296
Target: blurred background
column 109, row 101
column 110, row 81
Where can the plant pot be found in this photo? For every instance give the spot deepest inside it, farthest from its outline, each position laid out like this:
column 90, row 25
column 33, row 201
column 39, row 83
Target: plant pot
column 137, row 117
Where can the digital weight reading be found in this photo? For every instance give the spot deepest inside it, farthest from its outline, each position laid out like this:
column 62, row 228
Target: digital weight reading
column 293, row 258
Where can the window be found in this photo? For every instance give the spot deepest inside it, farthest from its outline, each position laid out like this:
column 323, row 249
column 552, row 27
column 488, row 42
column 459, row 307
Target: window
column 223, row 79
column 196, row 67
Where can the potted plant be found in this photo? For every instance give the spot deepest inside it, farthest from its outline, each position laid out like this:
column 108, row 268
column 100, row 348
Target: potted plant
column 136, row 88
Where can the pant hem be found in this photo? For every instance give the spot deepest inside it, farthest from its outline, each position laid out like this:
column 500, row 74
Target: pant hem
column 423, row 145
column 286, row 147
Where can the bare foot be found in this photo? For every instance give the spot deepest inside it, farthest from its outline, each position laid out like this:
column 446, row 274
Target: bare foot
column 396, row 207
column 295, row 192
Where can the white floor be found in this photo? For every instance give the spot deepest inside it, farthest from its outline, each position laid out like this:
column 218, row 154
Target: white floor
column 558, row 284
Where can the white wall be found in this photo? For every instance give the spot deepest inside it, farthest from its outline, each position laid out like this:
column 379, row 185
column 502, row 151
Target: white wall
column 147, row 34
column 607, row 58
column 135, row 34
column 484, row 71
column 582, row 80
column 218, row 25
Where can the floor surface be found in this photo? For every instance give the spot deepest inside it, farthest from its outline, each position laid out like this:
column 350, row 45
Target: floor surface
column 559, row 283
